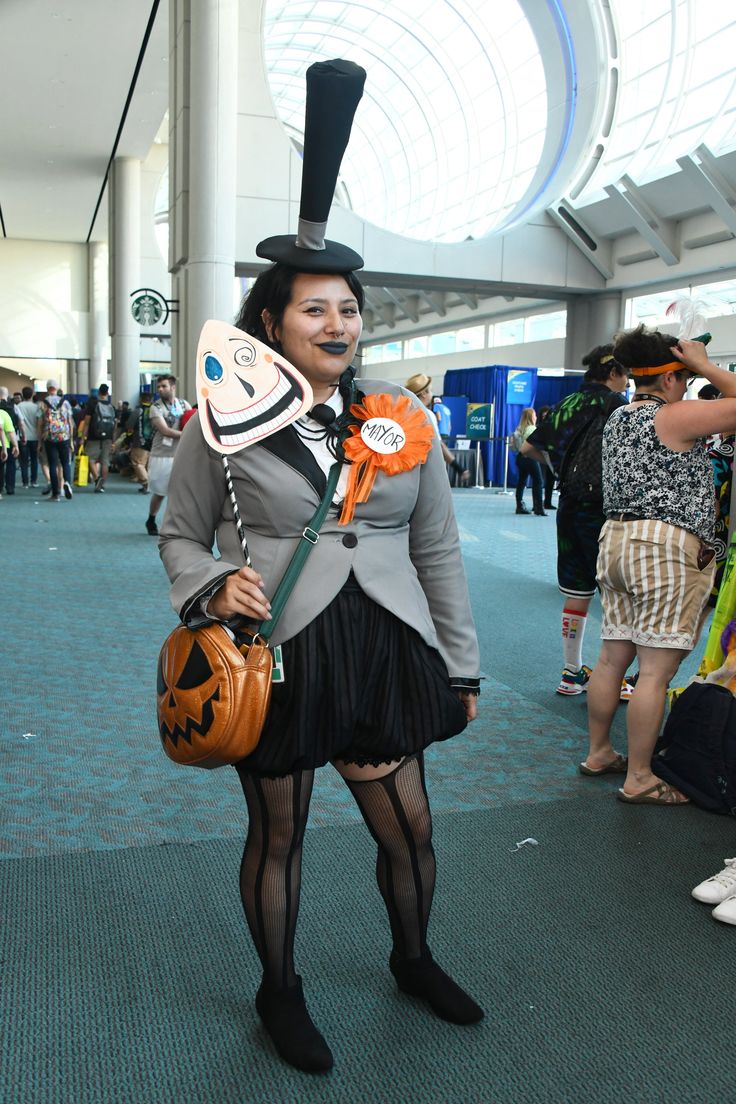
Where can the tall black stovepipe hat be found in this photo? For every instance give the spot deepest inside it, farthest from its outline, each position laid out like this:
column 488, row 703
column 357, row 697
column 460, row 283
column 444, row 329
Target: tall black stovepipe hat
column 334, row 89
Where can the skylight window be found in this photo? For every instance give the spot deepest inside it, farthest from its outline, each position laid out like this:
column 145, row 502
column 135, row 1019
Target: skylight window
column 450, row 131
column 677, row 88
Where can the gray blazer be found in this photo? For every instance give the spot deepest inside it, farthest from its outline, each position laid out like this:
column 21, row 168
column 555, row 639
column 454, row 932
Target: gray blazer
column 402, row 545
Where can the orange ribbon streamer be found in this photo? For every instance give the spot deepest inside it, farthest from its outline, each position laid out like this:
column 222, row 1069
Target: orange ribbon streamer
column 366, row 463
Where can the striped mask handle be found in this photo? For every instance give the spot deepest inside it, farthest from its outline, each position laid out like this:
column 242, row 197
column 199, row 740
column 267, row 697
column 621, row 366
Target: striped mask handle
column 236, row 512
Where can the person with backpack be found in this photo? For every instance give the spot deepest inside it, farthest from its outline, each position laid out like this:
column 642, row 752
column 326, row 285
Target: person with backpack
column 56, row 435
column 8, row 445
column 96, row 434
column 569, row 441
column 138, row 427
column 8, row 406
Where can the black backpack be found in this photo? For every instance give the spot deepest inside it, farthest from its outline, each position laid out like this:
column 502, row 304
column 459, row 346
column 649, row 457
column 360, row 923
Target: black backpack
column 102, row 423
column 697, row 749
column 582, row 468
column 9, row 408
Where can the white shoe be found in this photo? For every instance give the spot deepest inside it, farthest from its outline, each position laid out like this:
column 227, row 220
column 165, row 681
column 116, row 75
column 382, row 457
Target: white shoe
column 726, row 911
column 716, row 889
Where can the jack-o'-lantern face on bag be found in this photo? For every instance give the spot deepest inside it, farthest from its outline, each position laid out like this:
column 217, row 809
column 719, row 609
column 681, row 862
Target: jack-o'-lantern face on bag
column 246, row 391
column 212, row 696
column 188, row 692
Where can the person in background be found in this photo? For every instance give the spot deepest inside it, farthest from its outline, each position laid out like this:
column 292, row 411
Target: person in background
column 29, row 416
column 10, row 408
column 56, row 435
column 140, row 433
column 8, row 444
column 527, row 466
column 656, row 561
column 166, row 414
column 443, row 414
column 421, row 386
column 548, row 475
column 97, row 433
column 570, row 441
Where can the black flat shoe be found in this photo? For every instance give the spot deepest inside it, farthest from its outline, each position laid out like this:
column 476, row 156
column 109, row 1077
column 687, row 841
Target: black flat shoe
column 522, row 510
column 286, row 1019
column 423, row 978
column 540, row 513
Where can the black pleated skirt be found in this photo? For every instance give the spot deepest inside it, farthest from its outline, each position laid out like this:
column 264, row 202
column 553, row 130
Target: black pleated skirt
column 360, row 686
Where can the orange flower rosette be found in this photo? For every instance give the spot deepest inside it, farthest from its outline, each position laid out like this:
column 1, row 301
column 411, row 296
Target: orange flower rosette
column 389, row 435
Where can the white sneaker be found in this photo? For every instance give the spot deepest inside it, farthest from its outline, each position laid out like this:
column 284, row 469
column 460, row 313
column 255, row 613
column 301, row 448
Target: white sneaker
column 716, row 889
column 726, row 911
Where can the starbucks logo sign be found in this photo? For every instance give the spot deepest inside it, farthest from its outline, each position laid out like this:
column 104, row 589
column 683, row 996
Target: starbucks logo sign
column 148, row 307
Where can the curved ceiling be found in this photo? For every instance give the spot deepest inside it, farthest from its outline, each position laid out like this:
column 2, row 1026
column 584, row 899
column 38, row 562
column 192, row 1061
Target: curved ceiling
column 451, row 128
column 467, row 127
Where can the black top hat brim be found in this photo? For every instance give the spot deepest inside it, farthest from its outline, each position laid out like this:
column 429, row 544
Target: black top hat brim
column 335, row 257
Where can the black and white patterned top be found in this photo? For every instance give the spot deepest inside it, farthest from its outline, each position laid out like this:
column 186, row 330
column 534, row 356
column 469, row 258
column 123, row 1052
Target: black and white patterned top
column 644, row 477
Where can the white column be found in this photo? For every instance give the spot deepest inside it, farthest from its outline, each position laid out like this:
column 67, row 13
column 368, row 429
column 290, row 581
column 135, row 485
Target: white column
column 95, row 371
column 203, row 109
column 83, row 376
column 125, row 267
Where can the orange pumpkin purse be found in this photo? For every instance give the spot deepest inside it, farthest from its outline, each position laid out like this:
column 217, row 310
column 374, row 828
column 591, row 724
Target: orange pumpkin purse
column 213, row 692
column 213, row 696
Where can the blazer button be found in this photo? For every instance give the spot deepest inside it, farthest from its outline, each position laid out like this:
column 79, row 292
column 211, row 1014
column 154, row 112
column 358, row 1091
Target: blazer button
column 350, row 540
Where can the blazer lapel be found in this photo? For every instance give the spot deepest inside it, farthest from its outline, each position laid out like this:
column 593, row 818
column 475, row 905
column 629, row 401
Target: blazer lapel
column 287, row 445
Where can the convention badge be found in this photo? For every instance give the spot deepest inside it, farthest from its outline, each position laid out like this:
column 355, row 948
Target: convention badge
column 246, row 390
column 277, row 671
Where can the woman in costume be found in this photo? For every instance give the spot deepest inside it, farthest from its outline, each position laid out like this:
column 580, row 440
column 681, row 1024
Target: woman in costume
column 380, row 656
column 656, row 559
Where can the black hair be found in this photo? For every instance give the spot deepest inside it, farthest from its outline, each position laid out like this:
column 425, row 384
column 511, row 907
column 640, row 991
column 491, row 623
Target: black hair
column 643, row 348
column 601, row 364
column 27, row 393
column 272, row 292
column 710, row 391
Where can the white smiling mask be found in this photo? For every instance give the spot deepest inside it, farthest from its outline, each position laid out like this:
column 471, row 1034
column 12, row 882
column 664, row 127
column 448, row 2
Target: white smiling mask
column 246, row 390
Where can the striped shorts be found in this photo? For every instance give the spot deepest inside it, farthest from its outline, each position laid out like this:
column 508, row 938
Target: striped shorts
column 652, row 591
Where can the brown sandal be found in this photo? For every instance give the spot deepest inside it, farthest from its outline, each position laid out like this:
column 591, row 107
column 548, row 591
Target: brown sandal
column 661, row 793
column 619, row 765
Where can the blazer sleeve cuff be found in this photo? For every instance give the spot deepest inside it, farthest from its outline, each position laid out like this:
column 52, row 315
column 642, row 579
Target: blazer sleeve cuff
column 194, row 613
column 470, row 685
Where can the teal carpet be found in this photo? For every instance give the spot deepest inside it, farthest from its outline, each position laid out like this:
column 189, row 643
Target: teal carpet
column 127, row 972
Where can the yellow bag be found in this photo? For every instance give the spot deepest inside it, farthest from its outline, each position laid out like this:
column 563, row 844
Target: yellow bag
column 81, row 468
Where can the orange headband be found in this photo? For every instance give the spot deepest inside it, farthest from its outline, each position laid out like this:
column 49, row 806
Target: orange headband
column 671, row 366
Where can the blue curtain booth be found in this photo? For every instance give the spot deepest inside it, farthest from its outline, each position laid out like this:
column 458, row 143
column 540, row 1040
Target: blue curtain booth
column 491, row 384
column 552, row 389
